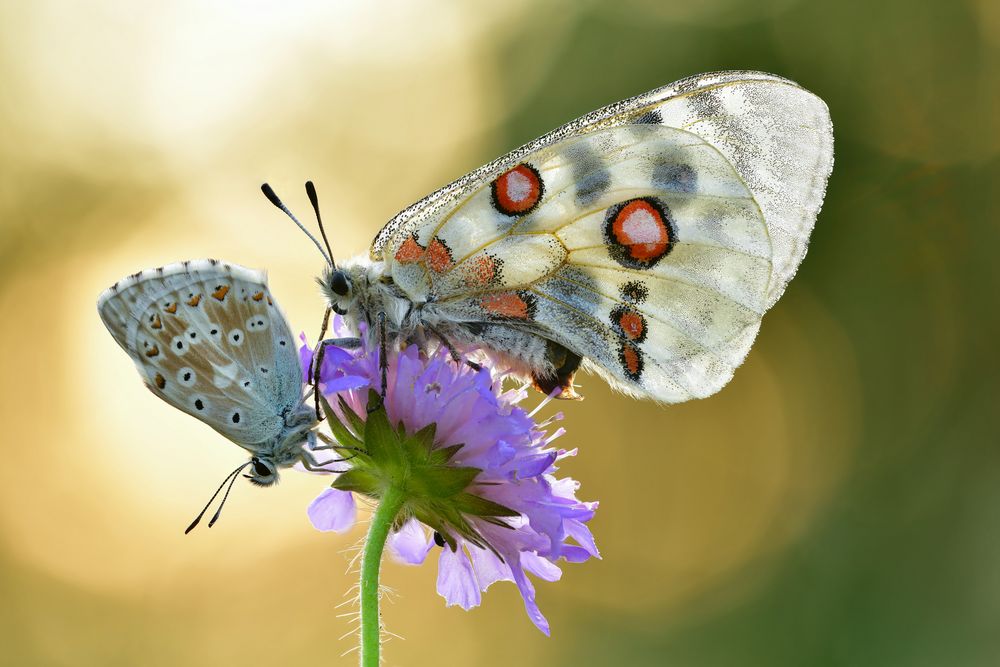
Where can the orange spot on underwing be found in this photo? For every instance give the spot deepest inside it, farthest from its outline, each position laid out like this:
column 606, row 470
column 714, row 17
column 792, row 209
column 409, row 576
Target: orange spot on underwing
column 157, row 323
column 152, row 352
column 220, row 292
column 160, row 381
column 258, row 296
column 438, row 256
column 195, row 300
column 481, row 271
column 409, row 252
column 507, row 304
column 172, row 308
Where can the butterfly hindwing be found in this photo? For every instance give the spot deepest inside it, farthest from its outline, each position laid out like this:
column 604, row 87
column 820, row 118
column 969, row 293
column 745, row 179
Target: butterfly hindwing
column 208, row 339
column 649, row 236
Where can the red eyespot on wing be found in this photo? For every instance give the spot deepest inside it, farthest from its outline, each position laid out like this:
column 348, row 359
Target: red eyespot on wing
column 410, row 251
column 438, row 256
column 517, row 191
column 629, row 323
column 639, row 232
column 510, row 305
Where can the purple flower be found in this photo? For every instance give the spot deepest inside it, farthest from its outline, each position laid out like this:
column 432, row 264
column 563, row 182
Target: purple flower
column 481, row 472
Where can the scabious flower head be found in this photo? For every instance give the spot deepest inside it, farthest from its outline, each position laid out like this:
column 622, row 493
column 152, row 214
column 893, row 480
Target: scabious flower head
column 478, row 470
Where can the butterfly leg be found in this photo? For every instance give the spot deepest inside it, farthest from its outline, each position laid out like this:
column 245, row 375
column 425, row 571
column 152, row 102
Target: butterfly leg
column 383, row 357
column 332, row 444
column 318, row 363
column 455, row 356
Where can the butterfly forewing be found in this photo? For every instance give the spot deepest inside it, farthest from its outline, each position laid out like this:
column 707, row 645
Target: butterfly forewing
column 208, row 338
column 649, row 236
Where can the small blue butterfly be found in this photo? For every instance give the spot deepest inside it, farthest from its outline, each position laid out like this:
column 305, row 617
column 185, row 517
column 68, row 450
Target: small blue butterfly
column 208, row 339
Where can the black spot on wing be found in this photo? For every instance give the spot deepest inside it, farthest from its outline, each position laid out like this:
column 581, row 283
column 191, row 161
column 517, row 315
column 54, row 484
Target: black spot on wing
column 589, row 173
column 653, row 117
column 676, row 177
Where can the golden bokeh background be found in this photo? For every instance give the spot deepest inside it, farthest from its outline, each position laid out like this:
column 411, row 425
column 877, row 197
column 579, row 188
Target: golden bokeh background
column 837, row 504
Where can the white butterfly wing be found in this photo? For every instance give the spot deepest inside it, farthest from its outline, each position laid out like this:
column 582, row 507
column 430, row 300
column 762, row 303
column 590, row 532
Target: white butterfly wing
column 649, row 236
column 208, row 339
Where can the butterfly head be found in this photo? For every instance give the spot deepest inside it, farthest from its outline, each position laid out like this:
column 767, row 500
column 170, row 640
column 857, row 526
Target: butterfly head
column 263, row 471
column 338, row 288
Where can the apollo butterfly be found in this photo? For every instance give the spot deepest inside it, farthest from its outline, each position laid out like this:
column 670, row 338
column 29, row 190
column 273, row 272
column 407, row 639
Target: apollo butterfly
column 643, row 241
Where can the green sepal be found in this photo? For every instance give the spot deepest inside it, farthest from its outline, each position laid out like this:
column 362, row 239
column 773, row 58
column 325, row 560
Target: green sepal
column 420, row 445
column 440, row 482
column 475, row 505
column 359, row 481
column 382, row 443
column 340, row 432
column 443, row 455
column 355, row 423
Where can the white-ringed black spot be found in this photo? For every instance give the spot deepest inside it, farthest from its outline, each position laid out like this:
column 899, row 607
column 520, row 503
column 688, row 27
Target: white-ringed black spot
column 187, row 377
column 236, row 337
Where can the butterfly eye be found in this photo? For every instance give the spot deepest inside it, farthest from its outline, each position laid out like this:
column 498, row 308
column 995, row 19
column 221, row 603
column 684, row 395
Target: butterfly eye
column 339, row 283
column 261, row 468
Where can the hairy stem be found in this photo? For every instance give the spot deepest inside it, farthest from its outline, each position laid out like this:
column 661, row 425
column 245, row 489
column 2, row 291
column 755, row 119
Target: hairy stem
column 378, row 531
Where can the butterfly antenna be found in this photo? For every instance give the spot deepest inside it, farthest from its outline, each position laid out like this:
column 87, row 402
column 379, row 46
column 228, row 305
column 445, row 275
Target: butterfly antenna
column 231, row 476
column 273, row 198
column 218, row 512
column 314, row 200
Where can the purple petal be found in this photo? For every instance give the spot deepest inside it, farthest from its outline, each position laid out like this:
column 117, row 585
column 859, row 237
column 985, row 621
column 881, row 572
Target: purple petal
column 528, row 594
column 489, row 569
column 410, row 544
column 540, row 567
column 582, row 535
column 532, row 466
column 456, row 582
column 333, row 510
column 344, row 383
column 305, row 358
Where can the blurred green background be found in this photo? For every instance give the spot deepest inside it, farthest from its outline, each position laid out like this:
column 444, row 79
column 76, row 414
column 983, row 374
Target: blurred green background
column 837, row 504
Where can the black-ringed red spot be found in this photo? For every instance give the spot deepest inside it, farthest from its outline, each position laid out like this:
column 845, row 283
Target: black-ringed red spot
column 639, row 232
column 630, row 357
column 518, row 190
column 629, row 323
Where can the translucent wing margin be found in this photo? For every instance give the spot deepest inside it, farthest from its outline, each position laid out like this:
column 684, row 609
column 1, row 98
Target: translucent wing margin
column 208, row 339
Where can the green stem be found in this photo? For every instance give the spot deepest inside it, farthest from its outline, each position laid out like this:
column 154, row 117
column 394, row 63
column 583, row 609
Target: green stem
column 378, row 531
